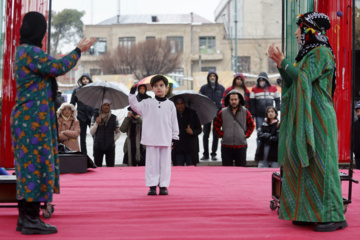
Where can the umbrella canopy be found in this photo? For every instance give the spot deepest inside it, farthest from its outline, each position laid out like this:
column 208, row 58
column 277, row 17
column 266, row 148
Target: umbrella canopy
column 146, row 80
column 93, row 94
column 204, row 107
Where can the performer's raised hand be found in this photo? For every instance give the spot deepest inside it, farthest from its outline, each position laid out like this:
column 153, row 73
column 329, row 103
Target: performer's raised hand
column 276, row 54
column 85, row 44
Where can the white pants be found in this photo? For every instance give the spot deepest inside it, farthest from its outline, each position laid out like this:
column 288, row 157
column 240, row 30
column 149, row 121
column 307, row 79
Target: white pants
column 158, row 166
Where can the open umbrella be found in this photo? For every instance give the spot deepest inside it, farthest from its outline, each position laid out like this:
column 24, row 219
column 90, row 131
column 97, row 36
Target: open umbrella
column 146, row 80
column 93, row 94
column 204, row 107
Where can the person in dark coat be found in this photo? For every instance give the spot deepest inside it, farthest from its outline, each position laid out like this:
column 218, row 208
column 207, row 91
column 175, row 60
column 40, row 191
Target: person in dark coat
column 214, row 91
column 268, row 135
column 105, row 129
column 85, row 113
column 142, row 93
column 263, row 95
column 186, row 149
column 357, row 136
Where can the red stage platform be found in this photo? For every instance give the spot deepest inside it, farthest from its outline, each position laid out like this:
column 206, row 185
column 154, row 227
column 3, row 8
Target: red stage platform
column 204, row 203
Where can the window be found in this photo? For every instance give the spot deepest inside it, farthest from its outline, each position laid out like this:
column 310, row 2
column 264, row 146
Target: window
column 244, row 64
column 127, row 42
column 99, row 47
column 177, row 75
column 150, row 38
column 207, row 45
column 272, row 66
column 95, row 71
column 207, row 69
column 176, row 44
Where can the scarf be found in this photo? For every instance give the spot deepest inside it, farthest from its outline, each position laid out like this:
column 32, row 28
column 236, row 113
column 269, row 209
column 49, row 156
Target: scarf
column 313, row 27
column 105, row 118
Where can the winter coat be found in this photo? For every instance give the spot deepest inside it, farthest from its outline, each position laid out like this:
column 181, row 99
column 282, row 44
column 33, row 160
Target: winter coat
column 261, row 98
column 33, row 122
column 188, row 143
column 132, row 127
column 357, row 138
column 85, row 113
column 268, row 134
column 69, row 131
column 246, row 92
column 215, row 94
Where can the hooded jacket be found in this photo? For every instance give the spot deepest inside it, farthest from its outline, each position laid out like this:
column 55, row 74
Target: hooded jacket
column 246, row 91
column 216, row 93
column 69, row 130
column 85, row 112
column 263, row 97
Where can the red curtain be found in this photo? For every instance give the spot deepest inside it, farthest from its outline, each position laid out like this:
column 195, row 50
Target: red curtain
column 15, row 10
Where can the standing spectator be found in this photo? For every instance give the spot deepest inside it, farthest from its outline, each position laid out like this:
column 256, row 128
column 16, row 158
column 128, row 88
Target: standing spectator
column 238, row 84
column 214, row 91
column 160, row 127
column 356, row 134
column 234, row 125
column 308, row 142
column 33, row 122
column 142, row 93
column 263, row 95
column 105, row 129
column 186, row 149
column 85, row 113
column 134, row 151
column 68, row 126
column 268, row 135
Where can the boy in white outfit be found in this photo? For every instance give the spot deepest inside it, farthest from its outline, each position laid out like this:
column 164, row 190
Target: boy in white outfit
column 160, row 127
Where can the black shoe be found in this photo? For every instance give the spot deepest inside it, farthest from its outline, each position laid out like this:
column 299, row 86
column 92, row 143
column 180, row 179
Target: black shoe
column 163, row 191
column 330, row 226
column 33, row 225
column 21, row 216
column 152, row 191
column 299, row 223
column 214, row 158
column 204, row 158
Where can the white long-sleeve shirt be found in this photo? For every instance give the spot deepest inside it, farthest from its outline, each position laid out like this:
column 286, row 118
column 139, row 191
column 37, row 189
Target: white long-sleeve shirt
column 160, row 123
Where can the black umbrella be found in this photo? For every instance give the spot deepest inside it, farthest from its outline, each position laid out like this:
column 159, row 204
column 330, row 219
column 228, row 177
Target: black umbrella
column 93, row 95
column 202, row 105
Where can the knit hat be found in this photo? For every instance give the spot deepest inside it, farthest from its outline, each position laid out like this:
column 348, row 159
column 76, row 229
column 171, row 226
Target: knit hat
column 106, row 101
column 357, row 105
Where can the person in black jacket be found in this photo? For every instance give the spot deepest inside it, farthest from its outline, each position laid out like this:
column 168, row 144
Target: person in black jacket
column 268, row 135
column 186, row 149
column 214, row 91
column 85, row 113
column 105, row 129
column 357, row 136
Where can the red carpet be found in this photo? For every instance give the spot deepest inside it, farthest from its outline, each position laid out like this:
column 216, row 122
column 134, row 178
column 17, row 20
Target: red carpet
column 204, row 203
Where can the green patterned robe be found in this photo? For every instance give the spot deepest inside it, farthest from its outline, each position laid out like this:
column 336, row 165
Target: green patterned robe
column 33, row 122
column 308, row 150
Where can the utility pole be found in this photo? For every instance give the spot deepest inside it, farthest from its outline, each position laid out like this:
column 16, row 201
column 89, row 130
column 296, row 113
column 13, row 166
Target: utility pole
column 236, row 51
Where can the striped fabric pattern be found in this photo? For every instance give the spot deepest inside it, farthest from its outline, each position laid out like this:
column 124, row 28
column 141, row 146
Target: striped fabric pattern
column 308, row 151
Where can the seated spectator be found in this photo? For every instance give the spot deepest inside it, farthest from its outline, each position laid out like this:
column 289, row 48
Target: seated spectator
column 105, row 129
column 134, row 152
column 68, row 126
column 186, row 149
column 268, row 135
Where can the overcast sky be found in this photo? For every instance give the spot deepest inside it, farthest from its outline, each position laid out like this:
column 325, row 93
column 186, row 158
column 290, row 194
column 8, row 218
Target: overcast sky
column 104, row 9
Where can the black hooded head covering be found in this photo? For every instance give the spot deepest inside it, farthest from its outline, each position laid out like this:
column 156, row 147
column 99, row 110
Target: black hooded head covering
column 33, row 29
column 142, row 96
column 313, row 27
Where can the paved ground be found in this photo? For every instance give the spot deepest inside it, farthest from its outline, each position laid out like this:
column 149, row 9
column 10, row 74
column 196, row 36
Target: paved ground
column 120, row 154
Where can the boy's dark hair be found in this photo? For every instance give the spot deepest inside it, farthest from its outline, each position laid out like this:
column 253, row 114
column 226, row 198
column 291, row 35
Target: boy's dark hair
column 158, row 78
